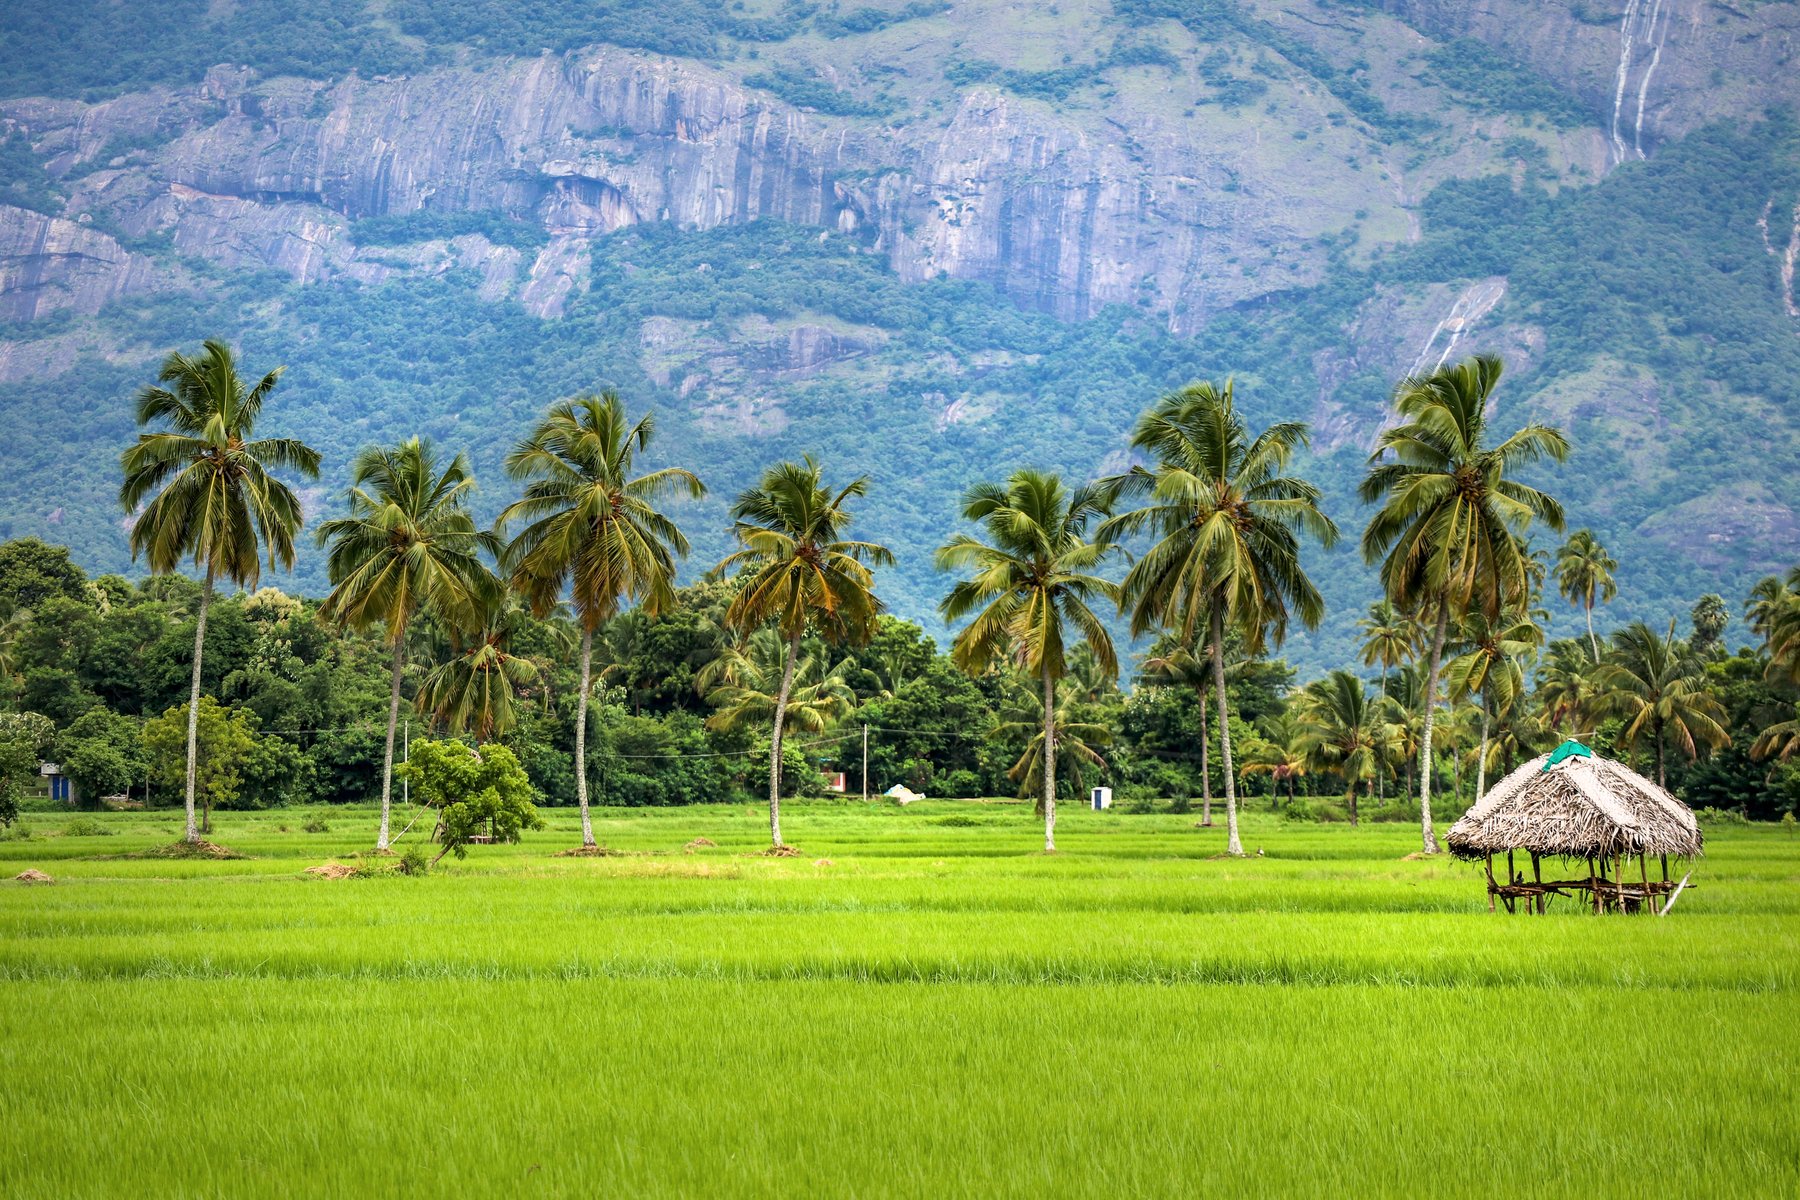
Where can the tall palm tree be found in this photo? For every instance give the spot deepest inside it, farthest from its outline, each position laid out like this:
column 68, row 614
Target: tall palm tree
column 1710, row 617
column 802, row 573
column 1071, row 741
column 1227, row 519
column 215, row 500
column 1447, row 534
column 476, row 687
column 1491, row 671
column 408, row 545
column 1658, row 685
column 1584, row 576
column 593, row 529
column 1390, row 637
column 1774, row 612
column 1177, row 666
column 1030, row 588
column 1341, row 730
column 743, row 684
column 1565, row 688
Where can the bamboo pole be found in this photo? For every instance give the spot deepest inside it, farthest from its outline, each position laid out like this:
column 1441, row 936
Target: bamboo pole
column 1644, row 874
column 1537, row 877
column 1490, row 880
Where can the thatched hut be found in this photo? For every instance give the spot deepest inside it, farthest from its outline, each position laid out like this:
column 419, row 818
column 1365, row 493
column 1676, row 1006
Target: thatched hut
column 1572, row 804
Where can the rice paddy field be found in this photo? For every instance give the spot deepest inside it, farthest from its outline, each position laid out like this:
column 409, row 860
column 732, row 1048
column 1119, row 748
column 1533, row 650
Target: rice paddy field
column 921, row 1005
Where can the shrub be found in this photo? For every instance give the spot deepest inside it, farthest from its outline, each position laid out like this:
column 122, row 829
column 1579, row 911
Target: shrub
column 86, row 827
column 313, row 825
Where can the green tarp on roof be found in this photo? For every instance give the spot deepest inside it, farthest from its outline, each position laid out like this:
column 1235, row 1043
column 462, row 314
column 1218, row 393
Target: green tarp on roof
column 1569, row 749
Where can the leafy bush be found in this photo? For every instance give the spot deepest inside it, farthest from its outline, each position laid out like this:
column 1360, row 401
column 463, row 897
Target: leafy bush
column 315, row 825
column 87, row 827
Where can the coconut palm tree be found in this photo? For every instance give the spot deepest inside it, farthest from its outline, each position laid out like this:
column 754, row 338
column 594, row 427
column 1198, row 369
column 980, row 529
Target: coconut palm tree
column 1447, row 533
column 1657, row 684
column 1029, row 593
column 216, row 501
column 1490, row 670
column 1780, row 741
column 802, row 573
column 1390, row 637
column 408, row 545
column 1072, row 742
column 1341, row 730
column 743, row 684
column 1774, row 612
column 1227, row 520
column 1176, row 666
column 592, row 529
column 1565, row 688
column 476, row 687
column 1584, row 576
column 1281, row 754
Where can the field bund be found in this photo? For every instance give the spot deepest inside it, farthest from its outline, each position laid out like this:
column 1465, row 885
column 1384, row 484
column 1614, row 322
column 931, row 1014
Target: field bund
column 921, row 1005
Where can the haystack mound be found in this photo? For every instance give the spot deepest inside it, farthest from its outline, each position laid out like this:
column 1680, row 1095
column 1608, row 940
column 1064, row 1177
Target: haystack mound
column 185, row 849
column 33, row 875
column 698, row 843
column 781, row 852
column 332, row 870
column 1573, row 803
column 823, row 862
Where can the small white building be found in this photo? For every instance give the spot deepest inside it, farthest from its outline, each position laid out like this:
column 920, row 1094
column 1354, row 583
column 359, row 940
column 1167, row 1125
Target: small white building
column 1101, row 798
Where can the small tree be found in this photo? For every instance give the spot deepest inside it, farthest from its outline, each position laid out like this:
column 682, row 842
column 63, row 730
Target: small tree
column 224, row 738
column 472, row 791
column 23, row 740
column 101, row 752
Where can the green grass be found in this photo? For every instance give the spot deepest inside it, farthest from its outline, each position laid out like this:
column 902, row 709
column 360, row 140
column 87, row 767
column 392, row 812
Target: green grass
column 938, row 1010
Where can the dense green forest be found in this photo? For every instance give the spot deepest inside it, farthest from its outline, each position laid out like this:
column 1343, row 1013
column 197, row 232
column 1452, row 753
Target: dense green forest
column 301, row 706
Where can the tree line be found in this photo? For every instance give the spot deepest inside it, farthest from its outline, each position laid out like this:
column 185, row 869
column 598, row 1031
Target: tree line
column 572, row 593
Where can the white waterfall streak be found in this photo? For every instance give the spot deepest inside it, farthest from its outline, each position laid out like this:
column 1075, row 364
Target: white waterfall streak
column 1788, row 262
column 1476, row 302
column 1637, row 132
column 1631, row 9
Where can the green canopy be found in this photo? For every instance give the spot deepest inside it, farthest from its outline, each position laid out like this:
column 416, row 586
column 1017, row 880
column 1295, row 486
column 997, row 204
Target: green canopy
column 1569, row 749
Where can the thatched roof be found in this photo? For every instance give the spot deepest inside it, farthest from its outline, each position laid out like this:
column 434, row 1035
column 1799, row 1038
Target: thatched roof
column 1582, row 805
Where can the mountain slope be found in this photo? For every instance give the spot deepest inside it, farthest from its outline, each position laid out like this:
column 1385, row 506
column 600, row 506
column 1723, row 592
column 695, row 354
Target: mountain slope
column 933, row 242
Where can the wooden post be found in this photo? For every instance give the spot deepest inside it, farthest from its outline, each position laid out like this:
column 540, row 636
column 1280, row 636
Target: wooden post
column 1644, row 874
column 1490, row 880
column 1665, row 865
column 1593, row 891
column 1537, row 877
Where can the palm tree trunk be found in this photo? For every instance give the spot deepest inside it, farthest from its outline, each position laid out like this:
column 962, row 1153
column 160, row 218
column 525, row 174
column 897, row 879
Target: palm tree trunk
column 1427, row 835
column 1232, row 844
column 1661, row 779
column 1350, row 798
column 193, row 741
column 1593, row 641
column 1205, row 763
column 387, row 760
column 1481, row 763
column 1049, row 761
column 1380, row 767
column 781, row 703
column 581, row 723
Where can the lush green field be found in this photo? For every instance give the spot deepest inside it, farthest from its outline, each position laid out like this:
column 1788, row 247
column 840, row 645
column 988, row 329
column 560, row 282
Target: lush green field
column 934, row 1009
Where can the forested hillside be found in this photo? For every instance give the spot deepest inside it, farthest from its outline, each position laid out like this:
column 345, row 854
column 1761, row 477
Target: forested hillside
column 928, row 241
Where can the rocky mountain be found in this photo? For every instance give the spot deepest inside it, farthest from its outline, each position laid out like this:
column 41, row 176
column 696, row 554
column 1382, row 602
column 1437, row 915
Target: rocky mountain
column 793, row 226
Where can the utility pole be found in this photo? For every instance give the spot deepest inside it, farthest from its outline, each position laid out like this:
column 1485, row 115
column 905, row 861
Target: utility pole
column 865, row 762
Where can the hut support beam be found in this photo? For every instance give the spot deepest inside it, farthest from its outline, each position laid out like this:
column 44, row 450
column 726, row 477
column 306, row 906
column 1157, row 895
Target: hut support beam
column 1490, row 882
column 1537, row 877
